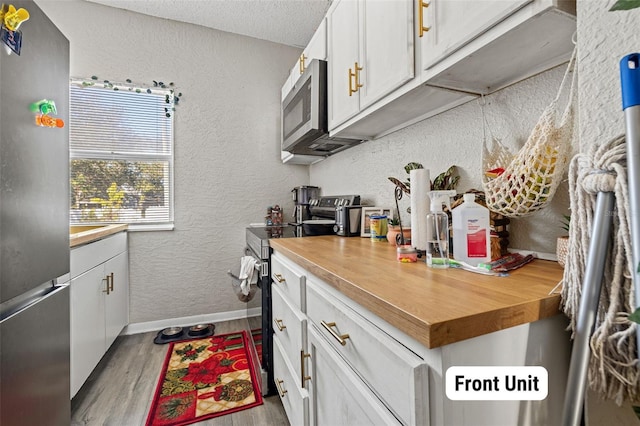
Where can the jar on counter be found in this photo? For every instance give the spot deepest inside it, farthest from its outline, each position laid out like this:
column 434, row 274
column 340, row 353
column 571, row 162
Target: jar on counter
column 406, row 254
column 378, row 226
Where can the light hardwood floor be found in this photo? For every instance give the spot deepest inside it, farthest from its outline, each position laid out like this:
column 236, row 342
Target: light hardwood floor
column 119, row 391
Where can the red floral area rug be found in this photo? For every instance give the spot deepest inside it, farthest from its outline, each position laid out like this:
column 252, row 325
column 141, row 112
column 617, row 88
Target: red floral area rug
column 204, row 378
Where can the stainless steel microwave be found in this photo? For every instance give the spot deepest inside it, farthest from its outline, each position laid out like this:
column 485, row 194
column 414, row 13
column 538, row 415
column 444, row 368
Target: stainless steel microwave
column 304, row 116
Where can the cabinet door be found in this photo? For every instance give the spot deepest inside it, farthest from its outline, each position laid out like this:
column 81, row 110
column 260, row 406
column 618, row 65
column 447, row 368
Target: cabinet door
column 386, row 47
column 294, row 399
column 290, row 328
column 316, row 49
column 342, row 52
column 454, row 23
column 117, row 301
column 87, row 324
column 338, row 396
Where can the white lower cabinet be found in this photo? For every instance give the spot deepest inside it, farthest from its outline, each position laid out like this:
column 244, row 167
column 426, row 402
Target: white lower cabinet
column 355, row 368
column 397, row 376
column 294, row 398
column 290, row 329
column 290, row 338
column 334, row 367
column 338, row 395
column 116, row 301
column 99, row 302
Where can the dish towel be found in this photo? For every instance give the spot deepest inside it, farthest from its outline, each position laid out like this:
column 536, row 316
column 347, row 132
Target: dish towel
column 246, row 276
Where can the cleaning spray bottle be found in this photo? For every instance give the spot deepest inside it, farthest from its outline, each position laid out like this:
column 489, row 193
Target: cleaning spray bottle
column 471, row 232
column 438, row 229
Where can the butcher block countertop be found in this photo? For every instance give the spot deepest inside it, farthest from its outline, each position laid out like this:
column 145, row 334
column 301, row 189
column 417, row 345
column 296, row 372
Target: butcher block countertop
column 434, row 306
column 79, row 235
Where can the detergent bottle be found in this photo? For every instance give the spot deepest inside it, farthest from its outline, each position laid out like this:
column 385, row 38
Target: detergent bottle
column 471, row 232
column 438, row 230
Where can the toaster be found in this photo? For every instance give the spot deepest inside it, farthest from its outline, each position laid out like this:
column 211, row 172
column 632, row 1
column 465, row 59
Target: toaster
column 348, row 221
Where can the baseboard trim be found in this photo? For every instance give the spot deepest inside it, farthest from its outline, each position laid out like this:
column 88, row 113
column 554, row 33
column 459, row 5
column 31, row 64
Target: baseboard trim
column 144, row 327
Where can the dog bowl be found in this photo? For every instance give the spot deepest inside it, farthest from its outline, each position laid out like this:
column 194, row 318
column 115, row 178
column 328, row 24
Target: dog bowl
column 199, row 329
column 172, row 331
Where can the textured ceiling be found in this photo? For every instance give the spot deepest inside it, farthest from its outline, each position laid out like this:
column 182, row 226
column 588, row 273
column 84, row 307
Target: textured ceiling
column 290, row 22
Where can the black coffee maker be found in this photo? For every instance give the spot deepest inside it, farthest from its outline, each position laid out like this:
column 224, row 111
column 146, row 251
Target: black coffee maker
column 302, row 195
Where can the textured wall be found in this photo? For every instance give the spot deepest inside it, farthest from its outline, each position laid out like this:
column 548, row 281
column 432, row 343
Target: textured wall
column 604, row 38
column 454, row 137
column 227, row 159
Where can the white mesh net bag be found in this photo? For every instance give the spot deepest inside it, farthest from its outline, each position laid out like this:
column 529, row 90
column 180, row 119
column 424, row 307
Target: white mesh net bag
column 519, row 185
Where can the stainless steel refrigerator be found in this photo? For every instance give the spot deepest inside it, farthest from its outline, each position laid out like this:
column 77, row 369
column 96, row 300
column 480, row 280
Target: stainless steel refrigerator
column 34, row 229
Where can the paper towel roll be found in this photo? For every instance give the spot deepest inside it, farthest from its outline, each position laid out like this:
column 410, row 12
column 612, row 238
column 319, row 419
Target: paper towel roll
column 420, row 187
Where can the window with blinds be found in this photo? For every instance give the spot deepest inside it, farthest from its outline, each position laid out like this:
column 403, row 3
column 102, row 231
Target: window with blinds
column 121, row 147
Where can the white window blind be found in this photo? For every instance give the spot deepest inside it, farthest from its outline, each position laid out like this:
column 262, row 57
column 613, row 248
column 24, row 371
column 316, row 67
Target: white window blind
column 121, row 147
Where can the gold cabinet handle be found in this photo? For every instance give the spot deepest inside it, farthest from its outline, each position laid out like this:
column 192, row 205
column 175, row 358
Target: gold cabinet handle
column 351, row 89
column 302, row 64
column 421, row 28
column 304, row 376
column 281, row 390
column 354, row 79
column 341, row 338
column 279, row 278
column 107, row 281
column 279, row 324
column 110, row 280
column 358, row 69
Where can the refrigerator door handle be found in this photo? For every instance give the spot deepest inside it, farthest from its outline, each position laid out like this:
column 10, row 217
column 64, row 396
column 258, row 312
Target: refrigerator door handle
column 16, row 305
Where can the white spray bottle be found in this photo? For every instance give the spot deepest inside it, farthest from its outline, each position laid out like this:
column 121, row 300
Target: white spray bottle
column 438, row 229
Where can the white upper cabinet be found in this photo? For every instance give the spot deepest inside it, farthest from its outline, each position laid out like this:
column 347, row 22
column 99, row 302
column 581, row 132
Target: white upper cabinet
column 392, row 63
column 446, row 25
column 481, row 46
column 343, row 51
column 316, row 49
column 386, row 47
column 370, row 53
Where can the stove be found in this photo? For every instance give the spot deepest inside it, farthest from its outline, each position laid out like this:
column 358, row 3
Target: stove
column 257, row 238
column 259, row 308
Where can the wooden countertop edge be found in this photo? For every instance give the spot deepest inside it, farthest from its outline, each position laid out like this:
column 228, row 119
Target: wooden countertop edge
column 86, row 237
column 436, row 334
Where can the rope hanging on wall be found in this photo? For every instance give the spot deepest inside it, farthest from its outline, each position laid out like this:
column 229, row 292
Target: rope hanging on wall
column 519, row 185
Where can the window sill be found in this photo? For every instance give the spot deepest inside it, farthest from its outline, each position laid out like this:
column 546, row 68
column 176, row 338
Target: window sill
column 144, row 228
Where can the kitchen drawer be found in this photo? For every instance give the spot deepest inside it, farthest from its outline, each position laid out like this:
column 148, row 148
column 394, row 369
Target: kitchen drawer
column 397, row 375
column 294, row 399
column 90, row 255
column 290, row 328
column 289, row 278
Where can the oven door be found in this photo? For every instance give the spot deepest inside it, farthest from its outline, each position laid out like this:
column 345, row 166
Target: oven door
column 304, row 110
column 259, row 331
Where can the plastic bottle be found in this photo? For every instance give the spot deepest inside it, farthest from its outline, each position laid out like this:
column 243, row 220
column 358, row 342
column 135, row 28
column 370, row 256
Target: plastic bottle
column 471, row 232
column 438, row 230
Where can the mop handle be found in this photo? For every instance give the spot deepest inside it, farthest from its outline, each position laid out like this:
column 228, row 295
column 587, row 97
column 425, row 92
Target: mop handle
column 630, row 82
